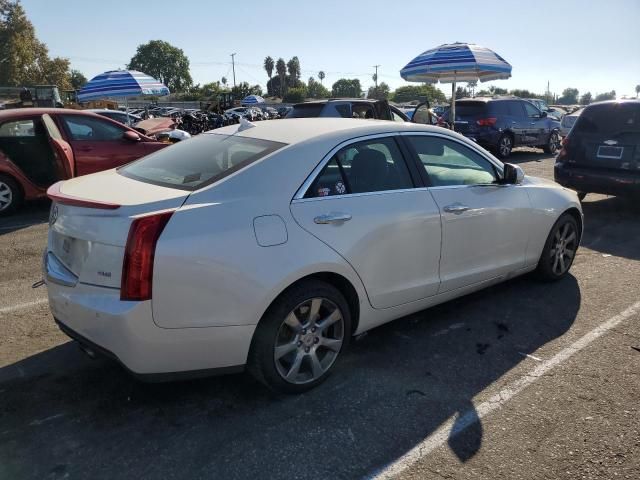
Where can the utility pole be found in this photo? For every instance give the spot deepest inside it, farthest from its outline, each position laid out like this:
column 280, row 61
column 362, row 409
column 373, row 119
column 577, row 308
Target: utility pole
column 375, row 77
column 233, row 65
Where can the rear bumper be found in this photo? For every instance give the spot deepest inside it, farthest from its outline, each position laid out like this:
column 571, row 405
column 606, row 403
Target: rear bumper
column 591, row 180
column 486, row 139
column 125, row 331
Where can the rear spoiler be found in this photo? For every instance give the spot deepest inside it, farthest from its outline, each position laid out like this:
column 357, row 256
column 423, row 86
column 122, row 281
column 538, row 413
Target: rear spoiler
column 55, row 193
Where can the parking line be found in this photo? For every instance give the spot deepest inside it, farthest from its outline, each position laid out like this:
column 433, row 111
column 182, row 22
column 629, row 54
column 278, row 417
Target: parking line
column 468, row 418
column 22, row 306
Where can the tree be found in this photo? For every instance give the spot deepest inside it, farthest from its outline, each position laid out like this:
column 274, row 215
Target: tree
column 471, row 86
column 281, row 69
column 321, row 75
column 24, row 59
column 295, row 95
column 637, row 90
column 347, row 88
column 419, row 93
column 316, row 89
column 243, row 89
column 462, row 92
column 586, row 99
column 268, row 66
column 78, row 80
column 523, row 93
column 164, row 62
column 493, row 90
column 293, row 66
column 224, row 81
column 606, row 96
column 569, row 96
column 380, row 93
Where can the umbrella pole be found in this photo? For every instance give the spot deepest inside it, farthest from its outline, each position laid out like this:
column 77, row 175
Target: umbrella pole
column 452, row 117
column 126, row 105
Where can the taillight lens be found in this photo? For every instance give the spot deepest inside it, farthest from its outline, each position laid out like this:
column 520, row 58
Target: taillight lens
column 487, row 122
column 137, row 268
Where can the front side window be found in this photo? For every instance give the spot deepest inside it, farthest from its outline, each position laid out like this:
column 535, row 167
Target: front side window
column 202, row 160
column 92, row 129
column 18, row 128
column 449, row 163
column 369, row 166
column 532, row 111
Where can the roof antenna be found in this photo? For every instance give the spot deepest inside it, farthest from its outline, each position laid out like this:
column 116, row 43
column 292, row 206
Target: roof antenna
column 245, row 124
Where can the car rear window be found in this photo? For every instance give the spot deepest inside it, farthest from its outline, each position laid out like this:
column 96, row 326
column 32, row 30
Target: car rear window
column 609, row 118
column 470, row 109
column 200, row 161
column 309, row 110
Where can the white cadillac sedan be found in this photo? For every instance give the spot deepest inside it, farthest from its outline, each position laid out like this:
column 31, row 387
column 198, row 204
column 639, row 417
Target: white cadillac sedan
column 269, row 246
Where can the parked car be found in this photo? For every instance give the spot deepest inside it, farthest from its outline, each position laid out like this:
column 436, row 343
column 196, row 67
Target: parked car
column 500, row 124
column 122, row 117
column 602, row 152
column 568, row 121
column 39, row 146
column 270, row 245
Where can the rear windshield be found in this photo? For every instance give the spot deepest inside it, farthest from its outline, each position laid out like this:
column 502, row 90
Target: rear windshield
column 309, row 110
column 470, row 109
column 609, row 119
column 199, row 161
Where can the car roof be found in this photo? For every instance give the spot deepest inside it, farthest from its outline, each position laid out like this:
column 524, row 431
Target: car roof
column 328, row 100
column 20, row 112
column 299, row 130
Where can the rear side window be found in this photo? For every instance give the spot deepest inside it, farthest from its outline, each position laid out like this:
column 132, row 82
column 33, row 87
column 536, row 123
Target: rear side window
column 370, row 166
column 18, row 128
column 609, row 119
column 200, row 161
column 309, row 110
column 499, row 108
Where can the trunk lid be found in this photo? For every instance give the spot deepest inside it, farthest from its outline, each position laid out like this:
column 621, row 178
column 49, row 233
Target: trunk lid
column 607, row 136
column 90, row 219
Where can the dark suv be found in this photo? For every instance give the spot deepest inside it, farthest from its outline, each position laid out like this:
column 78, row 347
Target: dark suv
column 601, row 154
column 500, row 124
column 348, row 108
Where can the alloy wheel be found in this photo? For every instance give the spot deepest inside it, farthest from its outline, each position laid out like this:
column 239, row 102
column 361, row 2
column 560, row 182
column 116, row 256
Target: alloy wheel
column 554, row 143
column 6, row 196
column 309, row 341
column 505, row 146
column 565, row 242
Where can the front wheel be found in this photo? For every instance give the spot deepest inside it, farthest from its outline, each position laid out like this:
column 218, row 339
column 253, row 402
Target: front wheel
column 559, row 249
column 300, row 338
column 553, row 144
column 505, row 145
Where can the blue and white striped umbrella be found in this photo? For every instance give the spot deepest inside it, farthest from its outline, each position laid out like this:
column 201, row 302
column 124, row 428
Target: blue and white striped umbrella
column 456, row 62
column 121, row 83
column 252, row 100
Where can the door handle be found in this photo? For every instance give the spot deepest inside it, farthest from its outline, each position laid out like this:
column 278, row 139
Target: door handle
column 85, row 149
column 456, row 208
column 332, row 218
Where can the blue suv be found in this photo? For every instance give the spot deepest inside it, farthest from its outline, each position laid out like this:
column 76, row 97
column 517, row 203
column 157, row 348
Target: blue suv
column 500, row 124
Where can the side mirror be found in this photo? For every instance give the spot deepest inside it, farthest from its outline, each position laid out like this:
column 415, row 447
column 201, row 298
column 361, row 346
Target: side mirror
column 512, row 175
column 131, row 136
column 543, row 114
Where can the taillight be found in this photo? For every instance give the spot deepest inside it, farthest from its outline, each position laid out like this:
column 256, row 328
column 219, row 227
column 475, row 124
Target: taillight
column 487, row 122
column 137, row 267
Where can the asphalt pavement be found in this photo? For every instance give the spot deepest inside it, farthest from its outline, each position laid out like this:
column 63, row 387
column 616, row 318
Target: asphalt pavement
column 524, row 380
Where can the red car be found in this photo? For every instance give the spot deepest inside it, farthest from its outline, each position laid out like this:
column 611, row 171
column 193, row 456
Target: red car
column 40, row 146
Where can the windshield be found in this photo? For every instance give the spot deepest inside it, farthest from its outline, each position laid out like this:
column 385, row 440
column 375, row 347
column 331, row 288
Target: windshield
column 197, row 162
column 609, row 119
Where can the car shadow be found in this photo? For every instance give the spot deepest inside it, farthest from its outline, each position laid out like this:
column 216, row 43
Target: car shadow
column 62, row 414
column 526, row 155
column 612, row 226
column 31, row 213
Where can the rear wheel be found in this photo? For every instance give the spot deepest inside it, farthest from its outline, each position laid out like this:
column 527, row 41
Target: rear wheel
column 300, row 337
column 505, row 145
column 553, row 145
column 10, row 195
column 559, row 249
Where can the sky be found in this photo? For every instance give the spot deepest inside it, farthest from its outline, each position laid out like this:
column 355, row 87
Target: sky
column 589, row 45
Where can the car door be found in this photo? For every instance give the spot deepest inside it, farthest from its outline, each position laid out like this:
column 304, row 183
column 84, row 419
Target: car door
column 98, row 143
column 362, row 201
column 537, row 128
column 518, row 121
column 65, row 161
column 484, row 223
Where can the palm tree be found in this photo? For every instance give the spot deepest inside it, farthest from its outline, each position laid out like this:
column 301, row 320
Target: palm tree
column 294, row 68
column 268, row 66
column 224, row 81
column 637, row 90
column 321, row 75
column 281, row 69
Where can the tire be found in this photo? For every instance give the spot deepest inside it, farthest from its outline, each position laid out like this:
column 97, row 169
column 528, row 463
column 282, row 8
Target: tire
column 563, row 238
column 290, row 334
column 11, row 196
column 581, row 195
column 553, row 144
column 505, row 145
